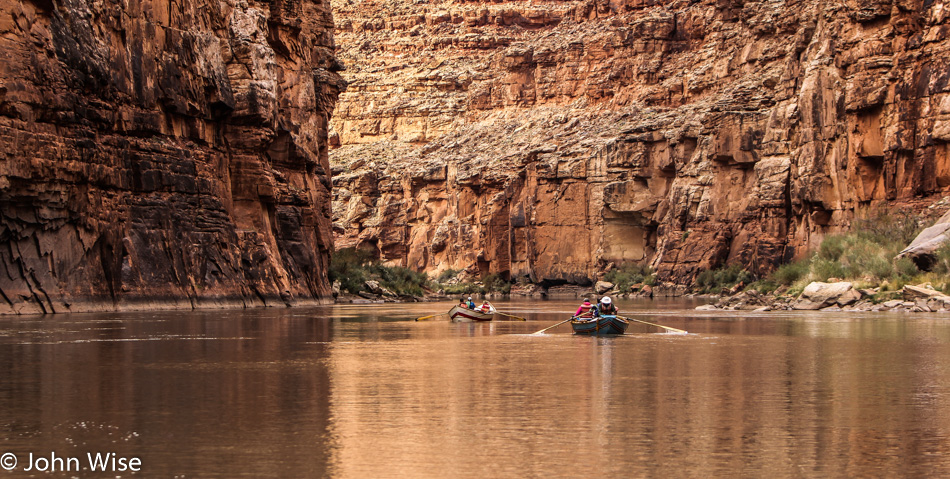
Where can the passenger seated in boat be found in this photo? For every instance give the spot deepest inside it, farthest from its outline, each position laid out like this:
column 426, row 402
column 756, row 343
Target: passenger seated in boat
column 462, row 302
column 605, row 307
column 486, row 307
column 585, row 311
column 470, row 304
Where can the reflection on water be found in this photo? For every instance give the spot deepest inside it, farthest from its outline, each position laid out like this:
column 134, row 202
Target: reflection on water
column 364, row 391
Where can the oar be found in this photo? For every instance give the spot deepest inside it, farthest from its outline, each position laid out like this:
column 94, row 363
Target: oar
column 519, row 318
column 549, row 327
column 429, row 316
column 654, row 324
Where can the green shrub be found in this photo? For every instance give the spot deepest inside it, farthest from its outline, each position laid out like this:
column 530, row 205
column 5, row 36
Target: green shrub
column 734, row 274
column 878, row 268
column 823, row 269
column 796, row 289
column 352, row 268
column 897, row 227
column 764, row 285
column 492, row 283
column 706, row 279
column 346, row 266
column 863, row 258
column 629, row 274
column 942, row 264
column 789, row 273
column 865, row 255
column 398, row 279
column 447, row 275
column 715, row 280
column 906, row 268
column 461, row 288
column 495, row 283
column 832, row 247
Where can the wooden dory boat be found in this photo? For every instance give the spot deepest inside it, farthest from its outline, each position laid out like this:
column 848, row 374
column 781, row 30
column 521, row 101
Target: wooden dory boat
column 607, row 324
column 461, row 314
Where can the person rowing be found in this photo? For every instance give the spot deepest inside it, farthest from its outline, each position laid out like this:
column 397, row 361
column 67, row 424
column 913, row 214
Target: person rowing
column 584, row 311
column 605, row 307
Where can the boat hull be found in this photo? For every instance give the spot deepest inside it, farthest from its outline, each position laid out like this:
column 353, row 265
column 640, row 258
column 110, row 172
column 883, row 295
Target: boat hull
column 460, row 314
column 603, row 325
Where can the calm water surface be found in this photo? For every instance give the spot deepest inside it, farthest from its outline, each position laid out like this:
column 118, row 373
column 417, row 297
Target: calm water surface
column 364, row 391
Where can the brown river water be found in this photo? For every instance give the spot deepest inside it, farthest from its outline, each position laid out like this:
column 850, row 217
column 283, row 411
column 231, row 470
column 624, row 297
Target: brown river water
column 365, row 391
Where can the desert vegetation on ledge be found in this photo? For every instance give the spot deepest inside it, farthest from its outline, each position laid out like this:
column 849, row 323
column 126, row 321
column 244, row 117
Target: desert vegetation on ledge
column 861, row 269
column 357, row 272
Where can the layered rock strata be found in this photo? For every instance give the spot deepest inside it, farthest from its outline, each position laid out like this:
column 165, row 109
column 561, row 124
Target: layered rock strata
column 552, row 139
column 164, row 154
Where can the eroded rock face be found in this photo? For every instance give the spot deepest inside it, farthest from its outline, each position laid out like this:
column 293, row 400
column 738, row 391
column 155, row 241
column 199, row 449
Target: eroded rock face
column 552, row 139
column 164, row 154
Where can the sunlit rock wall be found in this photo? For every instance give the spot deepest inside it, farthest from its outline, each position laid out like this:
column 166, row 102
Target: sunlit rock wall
column 551, row 139
column 159, row 154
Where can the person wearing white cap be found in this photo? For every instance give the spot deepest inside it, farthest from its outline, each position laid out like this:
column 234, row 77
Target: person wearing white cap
column 606, row 307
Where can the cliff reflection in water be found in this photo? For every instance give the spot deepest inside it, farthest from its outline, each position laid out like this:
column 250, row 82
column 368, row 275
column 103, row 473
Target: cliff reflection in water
column 207, row 394
column 811, row 395
column 360, row 392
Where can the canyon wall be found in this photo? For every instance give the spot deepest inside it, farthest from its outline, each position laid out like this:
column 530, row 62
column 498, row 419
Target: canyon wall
column 161, row 154
column 550, row 140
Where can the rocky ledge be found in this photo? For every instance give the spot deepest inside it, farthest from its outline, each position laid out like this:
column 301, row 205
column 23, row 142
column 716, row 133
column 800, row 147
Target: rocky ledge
column 838, row 296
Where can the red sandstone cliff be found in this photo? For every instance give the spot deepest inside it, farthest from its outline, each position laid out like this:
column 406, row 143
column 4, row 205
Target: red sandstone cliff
column 549, row 139
column 164, row 154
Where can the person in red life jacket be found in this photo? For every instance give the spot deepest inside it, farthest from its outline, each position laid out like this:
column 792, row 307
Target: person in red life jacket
column 605, row 307
column 486, row 307
column 584, row 311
